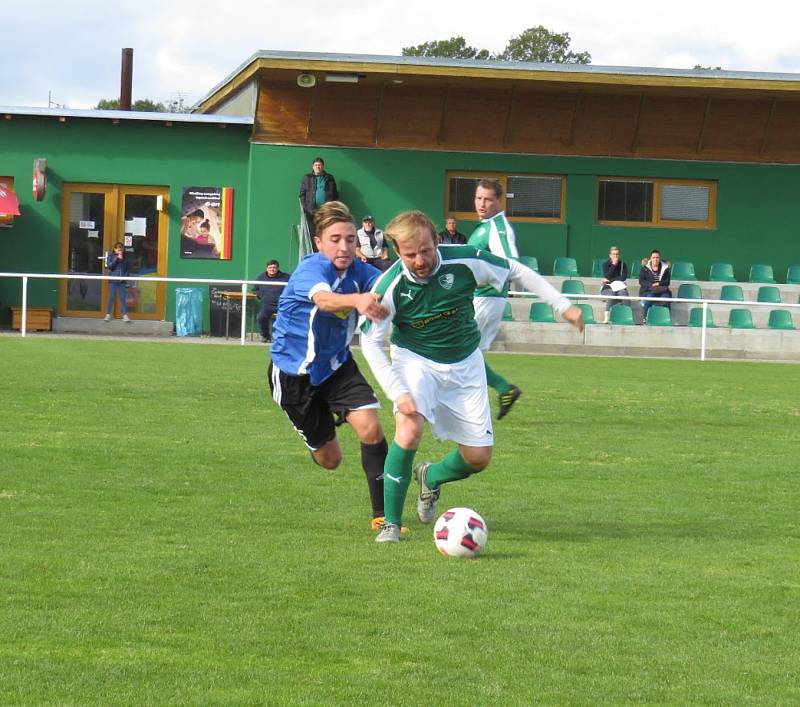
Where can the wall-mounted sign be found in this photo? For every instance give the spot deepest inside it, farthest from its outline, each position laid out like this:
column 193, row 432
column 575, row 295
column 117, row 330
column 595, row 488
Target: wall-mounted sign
column 206, row 222
column 39, row 178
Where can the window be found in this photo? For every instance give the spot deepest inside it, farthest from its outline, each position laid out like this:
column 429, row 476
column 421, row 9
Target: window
column 526, row 197
column 6, row 183
column 657, row 202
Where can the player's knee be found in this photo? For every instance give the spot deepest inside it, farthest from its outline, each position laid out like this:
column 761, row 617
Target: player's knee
column 478, row 458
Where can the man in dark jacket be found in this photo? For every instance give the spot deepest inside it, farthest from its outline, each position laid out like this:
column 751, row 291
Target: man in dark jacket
column 654, row 280
column 450, row 235
column 317, row 188
column 269, row 295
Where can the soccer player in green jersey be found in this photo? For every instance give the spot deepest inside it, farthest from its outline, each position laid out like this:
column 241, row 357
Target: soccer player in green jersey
column 436, row 371
column 495, row 234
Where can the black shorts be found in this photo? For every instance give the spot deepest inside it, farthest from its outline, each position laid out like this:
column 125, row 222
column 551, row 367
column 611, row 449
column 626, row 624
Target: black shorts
column 311, row 407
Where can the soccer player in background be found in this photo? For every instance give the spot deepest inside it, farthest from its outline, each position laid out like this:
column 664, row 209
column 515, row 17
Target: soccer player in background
column 312, row 374
column 436, row 371
column 495, row 234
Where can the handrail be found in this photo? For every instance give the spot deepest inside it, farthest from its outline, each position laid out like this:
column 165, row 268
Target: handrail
column 134, row 278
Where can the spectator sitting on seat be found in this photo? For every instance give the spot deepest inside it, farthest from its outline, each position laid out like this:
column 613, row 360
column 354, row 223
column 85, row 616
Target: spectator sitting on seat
column 615, row 272
column 269, row 295
column 654, row 281
column 372, row 244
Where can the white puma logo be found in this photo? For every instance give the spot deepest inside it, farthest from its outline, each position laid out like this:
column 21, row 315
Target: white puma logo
column 407, row 294
column 396, row 479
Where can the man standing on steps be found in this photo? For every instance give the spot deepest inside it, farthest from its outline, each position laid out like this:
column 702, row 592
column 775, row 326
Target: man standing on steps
column 495, row 234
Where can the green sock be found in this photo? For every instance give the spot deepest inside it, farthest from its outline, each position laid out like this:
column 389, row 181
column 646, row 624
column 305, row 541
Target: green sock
column 495, row 380
column 451, row 468
column 396, row 478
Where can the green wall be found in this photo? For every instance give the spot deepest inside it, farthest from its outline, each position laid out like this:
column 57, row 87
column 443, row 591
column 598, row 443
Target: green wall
column 131, row 152
column 757, row 207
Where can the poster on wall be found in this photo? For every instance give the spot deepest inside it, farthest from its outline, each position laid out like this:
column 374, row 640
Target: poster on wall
column 206, row 222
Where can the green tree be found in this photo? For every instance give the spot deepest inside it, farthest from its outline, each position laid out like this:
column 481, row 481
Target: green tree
column 453, row 48
column 541, row 45
column 707, row 68
column 143, row 104
column 537, row 44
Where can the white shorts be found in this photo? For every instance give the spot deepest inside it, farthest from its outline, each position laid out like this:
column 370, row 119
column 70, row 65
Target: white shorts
column 452, row 397
column 488, row 315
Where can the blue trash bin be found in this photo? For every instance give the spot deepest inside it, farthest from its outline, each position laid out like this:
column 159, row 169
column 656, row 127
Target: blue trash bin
column 188, row 311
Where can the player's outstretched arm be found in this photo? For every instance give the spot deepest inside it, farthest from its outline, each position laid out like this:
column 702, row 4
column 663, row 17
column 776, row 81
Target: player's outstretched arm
column 366, row 304
column 373, row 339
column 574, row 316
column 535, row 283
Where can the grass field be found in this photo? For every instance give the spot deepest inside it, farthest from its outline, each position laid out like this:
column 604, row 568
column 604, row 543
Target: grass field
column 165, row 539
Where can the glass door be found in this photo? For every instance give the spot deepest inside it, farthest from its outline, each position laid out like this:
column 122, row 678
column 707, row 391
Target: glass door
column 94, row 218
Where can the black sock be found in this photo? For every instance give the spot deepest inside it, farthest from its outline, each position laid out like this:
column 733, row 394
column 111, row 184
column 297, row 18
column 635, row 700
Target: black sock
column 373, row 457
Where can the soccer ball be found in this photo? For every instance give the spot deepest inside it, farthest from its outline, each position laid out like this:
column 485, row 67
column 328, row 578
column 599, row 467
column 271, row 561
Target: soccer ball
column 460, row 532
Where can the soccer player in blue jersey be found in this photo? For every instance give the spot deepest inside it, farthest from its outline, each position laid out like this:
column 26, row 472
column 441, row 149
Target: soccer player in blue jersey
column 312, row 374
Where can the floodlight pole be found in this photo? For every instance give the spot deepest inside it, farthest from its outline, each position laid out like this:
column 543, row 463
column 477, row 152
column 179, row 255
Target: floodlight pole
column 244, row 310
column 703, row 332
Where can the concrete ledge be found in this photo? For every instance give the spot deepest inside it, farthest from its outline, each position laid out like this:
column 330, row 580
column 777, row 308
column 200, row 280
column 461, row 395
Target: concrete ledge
column 116, row 327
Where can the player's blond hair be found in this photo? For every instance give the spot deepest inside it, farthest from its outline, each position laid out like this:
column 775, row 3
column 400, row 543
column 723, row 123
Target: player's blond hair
column 408, row 225
column 329, row 213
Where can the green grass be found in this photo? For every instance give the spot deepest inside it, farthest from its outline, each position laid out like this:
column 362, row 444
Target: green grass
column 165, row 539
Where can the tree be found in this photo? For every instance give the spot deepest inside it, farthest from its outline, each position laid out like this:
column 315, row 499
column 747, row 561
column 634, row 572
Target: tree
column 143, row 104
column 707, row 68
column 541, row 45
column 537, row 44
column 453, row 48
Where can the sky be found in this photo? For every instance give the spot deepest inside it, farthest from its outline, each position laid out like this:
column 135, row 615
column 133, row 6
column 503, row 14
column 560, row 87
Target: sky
column 68, row 53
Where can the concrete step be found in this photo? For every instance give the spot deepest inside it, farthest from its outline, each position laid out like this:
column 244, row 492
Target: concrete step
column 93, row 325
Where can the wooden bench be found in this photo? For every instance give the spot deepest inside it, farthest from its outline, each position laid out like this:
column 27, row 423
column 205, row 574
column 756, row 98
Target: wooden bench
column 38, row 318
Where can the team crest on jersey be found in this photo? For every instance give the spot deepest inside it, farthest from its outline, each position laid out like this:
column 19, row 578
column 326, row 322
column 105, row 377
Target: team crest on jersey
column 446, row 280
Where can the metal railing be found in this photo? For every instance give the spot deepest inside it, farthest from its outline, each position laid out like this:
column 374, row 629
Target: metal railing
column 133, row 278
column 704, row 303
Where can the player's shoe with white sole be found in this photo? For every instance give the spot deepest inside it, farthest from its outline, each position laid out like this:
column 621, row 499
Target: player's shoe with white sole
column 507, row 399
column 428, row 497
column 378, row 521
column 390, row 533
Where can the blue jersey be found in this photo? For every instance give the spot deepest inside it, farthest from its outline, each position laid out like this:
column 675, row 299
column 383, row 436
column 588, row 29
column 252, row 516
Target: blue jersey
column 306, row 340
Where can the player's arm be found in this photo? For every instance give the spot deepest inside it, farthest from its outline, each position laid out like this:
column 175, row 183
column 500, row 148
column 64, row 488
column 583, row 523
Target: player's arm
column 373, row 341
column 365, row 303
column 534, row 282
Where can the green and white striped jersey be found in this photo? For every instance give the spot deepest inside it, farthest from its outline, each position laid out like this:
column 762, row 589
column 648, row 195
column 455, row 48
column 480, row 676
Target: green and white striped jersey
column 435, row 318
column 497, row 236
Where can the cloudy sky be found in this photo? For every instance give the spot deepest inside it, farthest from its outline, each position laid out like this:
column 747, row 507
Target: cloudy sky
column 69, row 51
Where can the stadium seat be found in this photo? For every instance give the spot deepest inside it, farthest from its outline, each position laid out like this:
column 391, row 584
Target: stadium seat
column 740, row 319
column 597, row 267
column 658, row 316
column 565, row 267
column 696, row 318
column 762, row 273
column 769, row 293
column 793, row 275
column 721, row 272
column 588, row 313
column 635, row 269
column 508, row 315
column 573, row 287
column 731, row 293
column 541, row 312
column 530, row 261
column 622, row 314
column 780, row 319
column 688, row 290
column 682, row 271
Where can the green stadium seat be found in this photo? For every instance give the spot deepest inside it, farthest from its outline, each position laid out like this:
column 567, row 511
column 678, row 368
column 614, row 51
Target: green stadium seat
column 635, row 268
column 565, row 267
column 682, row 271
column 508, row 315
column 721, row 272
column 762, row 273
column 731, row 293
column 696, row 318
column 740, row 319
column 573, row 287
column 770, row 294
column 688, row 290
column 658, row 316
column 622, row 314
column 530, row 261
column 793, row 275
column 780, row 319
column 542, row 312
column 588, row 313
column 597, row 267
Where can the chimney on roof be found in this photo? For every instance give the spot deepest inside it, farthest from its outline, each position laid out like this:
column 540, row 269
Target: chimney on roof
column 126, row 80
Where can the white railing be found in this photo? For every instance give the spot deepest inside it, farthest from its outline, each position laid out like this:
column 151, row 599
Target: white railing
column 672, row 300
column 133, row 278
